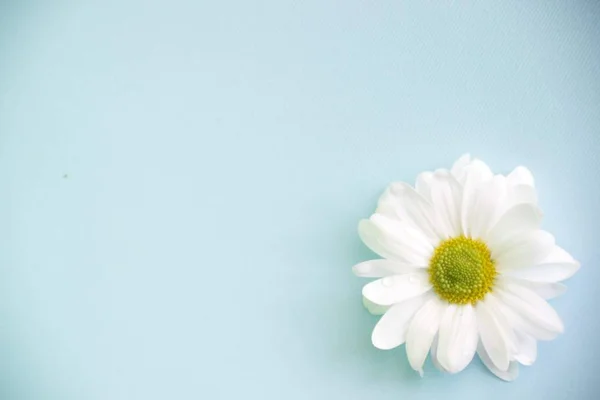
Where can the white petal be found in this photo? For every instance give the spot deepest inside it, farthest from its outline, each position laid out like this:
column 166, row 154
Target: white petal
column 520, row 187
column 487, row 207
column 416, row 248
column 519, row 219
column 382, row 268
column 559, row 255
column 408, row 205
column 459, row 168
column 397, row 288
column 388, row 209
column 476, row 174
column 434, row 358
column 544, row 290
column 523, row 250
column 527, row 346
column 495, row 332
column 479, row 169
column 395, row 240
column 388, row 201
column 372, row 238
column 446, row 197
column 517, row 194
column 423, row 184
column 522, row 324
column 521, row 176
column 391, row 329
column 558, row 266
column 458, row 338
column 530, row 306
column 510, row 374
column 421, row 332
column 374, row 308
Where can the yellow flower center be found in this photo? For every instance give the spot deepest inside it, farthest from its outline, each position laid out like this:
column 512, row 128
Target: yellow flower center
column 462, row 270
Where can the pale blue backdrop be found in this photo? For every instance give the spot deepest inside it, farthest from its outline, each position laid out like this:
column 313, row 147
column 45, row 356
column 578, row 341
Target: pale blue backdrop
column 181, row 183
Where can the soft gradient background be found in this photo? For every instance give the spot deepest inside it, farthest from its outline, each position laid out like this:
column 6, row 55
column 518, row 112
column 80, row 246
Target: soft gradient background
column 181, row 183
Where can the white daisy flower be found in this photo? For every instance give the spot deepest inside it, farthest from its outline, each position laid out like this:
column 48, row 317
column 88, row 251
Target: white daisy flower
column 466, row 269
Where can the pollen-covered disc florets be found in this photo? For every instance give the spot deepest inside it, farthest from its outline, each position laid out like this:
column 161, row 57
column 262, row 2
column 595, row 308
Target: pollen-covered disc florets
column 462, row 270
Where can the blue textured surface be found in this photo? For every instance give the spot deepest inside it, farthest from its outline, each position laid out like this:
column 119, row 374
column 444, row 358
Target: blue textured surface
column 181, row 184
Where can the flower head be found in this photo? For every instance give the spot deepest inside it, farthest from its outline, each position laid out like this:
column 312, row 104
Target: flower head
column 466, row 269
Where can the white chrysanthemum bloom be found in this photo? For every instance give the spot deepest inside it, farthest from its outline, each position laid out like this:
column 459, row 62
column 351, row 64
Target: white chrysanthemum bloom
column 466, row 269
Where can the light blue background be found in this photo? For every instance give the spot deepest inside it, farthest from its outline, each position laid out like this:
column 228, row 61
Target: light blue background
column 181, row 184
